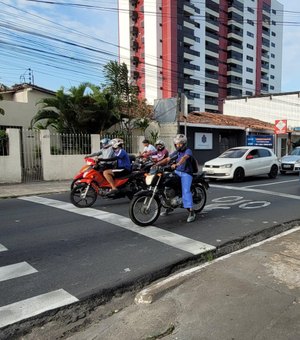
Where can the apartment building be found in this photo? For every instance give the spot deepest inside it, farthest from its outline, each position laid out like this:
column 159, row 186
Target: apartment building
column 209, row 50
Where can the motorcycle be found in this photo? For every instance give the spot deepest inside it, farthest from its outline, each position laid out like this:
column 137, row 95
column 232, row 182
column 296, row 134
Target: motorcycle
column 164, row 190
column 93, row 184
column 90, row 162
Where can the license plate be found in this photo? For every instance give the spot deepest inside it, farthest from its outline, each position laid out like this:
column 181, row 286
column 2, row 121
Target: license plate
column 210, row 172
column 287, row 166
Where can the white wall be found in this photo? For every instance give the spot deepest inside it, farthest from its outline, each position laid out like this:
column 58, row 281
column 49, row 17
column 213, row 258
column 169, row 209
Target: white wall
column 10, row 166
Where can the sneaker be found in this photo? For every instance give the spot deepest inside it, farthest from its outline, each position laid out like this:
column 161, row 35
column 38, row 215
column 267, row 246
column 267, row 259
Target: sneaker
column 191, row 217
column 166, row 212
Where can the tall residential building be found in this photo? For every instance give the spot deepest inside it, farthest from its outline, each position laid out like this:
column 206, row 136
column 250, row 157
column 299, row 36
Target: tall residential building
column 209, row 50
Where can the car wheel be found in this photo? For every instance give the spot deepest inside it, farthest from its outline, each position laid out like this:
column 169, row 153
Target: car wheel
column 273, row 172
column 239, row 175
column 282, row 172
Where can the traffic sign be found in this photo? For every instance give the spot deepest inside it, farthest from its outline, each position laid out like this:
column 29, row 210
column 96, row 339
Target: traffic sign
column 280, row 126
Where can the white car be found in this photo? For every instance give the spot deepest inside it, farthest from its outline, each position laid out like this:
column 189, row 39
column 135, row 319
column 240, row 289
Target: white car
column 239, row 162
column 290, row 162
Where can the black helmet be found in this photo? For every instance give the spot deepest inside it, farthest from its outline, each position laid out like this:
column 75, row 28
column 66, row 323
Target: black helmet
column 182, row 140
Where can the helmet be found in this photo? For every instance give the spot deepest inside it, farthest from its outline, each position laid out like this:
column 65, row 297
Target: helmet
column 105, row 142
column 160, row 144
column 180, row 139
column 116, row 143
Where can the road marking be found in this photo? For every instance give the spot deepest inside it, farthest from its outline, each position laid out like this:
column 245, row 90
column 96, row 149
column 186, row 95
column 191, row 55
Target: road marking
column 13, row 271
column 2, row 248
column 24, row 309
column 164, row 236
column 273, row 183
column 295, row 197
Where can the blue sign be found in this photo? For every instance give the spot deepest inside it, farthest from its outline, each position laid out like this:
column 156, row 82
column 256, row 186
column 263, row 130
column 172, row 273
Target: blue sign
column 266, row 141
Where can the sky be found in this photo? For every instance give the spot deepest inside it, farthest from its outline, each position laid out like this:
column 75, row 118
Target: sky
column 62, row 43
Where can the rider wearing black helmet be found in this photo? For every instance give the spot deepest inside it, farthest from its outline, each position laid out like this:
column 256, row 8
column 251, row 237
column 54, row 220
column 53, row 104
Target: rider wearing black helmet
column 184, row 171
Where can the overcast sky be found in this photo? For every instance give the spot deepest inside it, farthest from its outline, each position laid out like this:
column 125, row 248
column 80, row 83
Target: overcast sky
column 86, row 38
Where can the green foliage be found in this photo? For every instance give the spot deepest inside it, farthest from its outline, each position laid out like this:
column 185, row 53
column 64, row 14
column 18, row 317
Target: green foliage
column 84, row 109
column 153, row 137
column 142, row 123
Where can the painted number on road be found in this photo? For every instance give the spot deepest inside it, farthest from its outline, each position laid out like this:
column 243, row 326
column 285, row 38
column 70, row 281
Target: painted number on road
column 227, row 202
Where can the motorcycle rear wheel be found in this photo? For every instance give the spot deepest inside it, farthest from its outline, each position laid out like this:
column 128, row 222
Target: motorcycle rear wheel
column 199, row 198
column 77, row 198
column 140, row 213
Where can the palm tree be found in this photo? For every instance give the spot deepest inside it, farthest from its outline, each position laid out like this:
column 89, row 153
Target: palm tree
column 85, row 109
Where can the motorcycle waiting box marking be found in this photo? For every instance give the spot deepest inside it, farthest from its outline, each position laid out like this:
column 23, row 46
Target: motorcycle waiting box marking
column 164, row 236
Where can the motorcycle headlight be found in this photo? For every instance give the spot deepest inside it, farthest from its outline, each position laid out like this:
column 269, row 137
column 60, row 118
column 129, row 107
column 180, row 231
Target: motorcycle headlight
column 149, row 179
column 226, row 166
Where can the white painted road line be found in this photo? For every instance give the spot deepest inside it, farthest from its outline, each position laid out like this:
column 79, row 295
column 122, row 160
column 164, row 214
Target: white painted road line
column 272, row 183
column 164, row 236
column 13, row 271
column 25, row 309
column 2, row 248
column 273, row 193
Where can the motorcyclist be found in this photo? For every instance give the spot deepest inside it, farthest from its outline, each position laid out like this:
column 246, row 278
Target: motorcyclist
column 106, row 150
column 123, row 164
column 161, row 151
column 184, row 170
column 148, row 149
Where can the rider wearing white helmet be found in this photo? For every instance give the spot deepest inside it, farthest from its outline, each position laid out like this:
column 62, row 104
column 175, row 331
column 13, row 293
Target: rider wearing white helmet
column 184, row 171
column 123, row 163
column 106, row 150
column 161, row 151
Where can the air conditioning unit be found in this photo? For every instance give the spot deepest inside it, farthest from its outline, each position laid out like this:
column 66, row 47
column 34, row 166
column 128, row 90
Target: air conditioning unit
column 134, row 31
column 135, row 45
column 135, row 75
column 135, row 60
column 134, row 16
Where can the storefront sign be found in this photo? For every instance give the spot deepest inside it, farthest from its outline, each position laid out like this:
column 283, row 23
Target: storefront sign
column 203, row 141
column 266, row 141
column 280, row 126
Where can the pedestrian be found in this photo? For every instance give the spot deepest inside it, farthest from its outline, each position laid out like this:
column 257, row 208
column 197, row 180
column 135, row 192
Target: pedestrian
column 183, row 168
column 123, row 167
column 161, row 151
column 148, row 149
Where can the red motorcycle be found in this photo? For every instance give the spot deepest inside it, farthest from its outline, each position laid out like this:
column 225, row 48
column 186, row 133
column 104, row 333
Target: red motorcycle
column 93, row 184
column 90, row 162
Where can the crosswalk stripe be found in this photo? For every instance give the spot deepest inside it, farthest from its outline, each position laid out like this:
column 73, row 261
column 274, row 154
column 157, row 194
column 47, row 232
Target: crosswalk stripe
column 13, row 271
column 25, row 309
column 164, row 236
column 2, row 248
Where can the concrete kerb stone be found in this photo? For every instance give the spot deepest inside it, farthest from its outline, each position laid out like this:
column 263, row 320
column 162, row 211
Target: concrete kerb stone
column 154, row 291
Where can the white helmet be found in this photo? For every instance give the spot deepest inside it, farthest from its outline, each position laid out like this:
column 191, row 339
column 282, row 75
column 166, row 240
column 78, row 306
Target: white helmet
column 160, row 142
column 116, row 143
column 180, row 139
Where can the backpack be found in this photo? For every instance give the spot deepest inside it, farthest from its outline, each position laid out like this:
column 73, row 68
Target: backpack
column 194, row 164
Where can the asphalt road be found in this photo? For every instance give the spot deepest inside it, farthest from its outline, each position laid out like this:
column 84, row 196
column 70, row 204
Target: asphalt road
column 53, row 254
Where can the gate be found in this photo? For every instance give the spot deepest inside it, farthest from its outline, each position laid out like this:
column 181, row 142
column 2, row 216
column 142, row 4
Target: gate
column 31, row 156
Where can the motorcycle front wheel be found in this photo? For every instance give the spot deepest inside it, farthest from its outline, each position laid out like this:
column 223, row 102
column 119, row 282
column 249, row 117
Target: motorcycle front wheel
column 82, row 199
column 199, row 198
column 143, row 210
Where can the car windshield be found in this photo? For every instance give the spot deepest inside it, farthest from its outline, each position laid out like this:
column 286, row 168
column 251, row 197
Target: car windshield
column 295, row 152
column 233, row 153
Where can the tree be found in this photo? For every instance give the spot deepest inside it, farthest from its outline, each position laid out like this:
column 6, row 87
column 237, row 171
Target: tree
column 128, row 104
column 1, row 110
column 84, row 109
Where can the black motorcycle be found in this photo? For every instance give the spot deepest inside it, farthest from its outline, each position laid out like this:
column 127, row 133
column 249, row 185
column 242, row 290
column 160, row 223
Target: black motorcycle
column 164, row 190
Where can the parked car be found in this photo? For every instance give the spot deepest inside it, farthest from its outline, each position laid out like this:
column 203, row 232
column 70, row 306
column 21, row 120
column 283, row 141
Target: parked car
column 290, row 162
column 239, row 162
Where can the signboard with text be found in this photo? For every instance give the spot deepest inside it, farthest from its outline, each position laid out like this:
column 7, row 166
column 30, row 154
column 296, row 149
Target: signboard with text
column 280, row 126
column 266, row 141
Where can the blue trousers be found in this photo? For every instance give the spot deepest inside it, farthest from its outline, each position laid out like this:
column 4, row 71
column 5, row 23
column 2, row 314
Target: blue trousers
column 186, row 182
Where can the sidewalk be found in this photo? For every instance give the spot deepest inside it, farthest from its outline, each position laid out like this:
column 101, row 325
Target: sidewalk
column 250, row 294
column 33, row 188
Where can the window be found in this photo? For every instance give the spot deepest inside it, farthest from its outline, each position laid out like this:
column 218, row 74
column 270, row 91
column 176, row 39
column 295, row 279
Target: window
column 249, row 58
column 250, row 22
column 272, row 66
column 250, row 46
column 250, row 70
column 273, row 34
column 251, row 10
column 249, row 81
column 273, row 44
column 250, row 34
column 274, row 11
column 272, row 55
column 264, row 153
column 271, row 87
column 272, row 77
